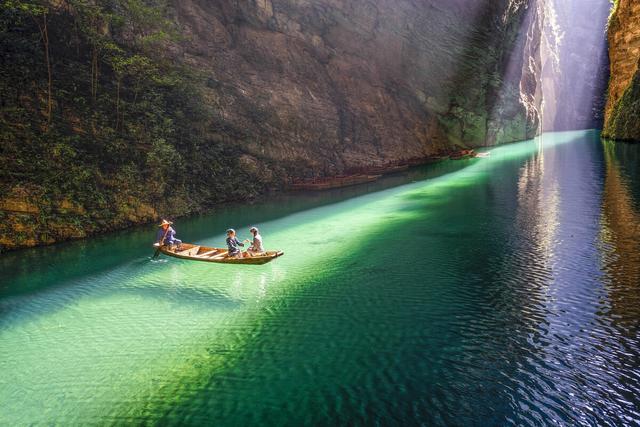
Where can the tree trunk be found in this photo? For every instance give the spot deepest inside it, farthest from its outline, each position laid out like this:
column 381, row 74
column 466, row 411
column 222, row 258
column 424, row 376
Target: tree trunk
column 117, row 103
column 94, row 73
column 44, row 33
column 49, row 72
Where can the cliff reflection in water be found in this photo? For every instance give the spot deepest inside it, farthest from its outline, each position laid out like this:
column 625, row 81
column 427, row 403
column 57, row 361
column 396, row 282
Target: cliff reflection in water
column 620, row 235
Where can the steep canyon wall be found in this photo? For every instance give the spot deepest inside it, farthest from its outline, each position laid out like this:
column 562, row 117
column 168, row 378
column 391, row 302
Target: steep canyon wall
column 622, row 113
column 566, row 46
column 329, row 85
column 128, row 111
column 116, row 113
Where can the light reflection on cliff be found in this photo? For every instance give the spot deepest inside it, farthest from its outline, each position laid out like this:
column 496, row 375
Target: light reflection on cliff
column 562, row 80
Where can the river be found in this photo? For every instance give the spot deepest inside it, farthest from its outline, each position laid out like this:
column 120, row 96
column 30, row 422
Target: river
column 490, row 291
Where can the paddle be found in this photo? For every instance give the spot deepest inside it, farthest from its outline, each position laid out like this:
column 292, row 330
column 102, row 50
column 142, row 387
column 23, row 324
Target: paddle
column 161, row 243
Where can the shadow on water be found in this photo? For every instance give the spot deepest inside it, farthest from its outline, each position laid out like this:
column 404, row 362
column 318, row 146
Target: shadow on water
column 28, row 270
column 459, row 327
column 498, row 295
column 440, row 284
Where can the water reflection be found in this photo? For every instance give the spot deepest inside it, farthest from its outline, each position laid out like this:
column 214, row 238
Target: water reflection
column 559, row 211
column 505, row 293
column 538, row 203
column 620, row 235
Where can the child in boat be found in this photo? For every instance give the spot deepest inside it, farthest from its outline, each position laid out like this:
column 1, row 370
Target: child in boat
column 256, row 248
column 167, row 235
column 233, row 244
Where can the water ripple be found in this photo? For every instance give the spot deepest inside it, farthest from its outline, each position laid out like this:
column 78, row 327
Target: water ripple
column 506, row 293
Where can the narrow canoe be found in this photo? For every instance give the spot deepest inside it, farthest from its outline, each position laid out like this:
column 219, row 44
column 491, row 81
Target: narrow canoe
column 207, row 254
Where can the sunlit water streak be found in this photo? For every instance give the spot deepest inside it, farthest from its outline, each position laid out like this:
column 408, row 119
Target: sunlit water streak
column 494, row 291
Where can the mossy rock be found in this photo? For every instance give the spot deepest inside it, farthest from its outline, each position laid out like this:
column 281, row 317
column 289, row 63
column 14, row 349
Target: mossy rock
column 624, row 123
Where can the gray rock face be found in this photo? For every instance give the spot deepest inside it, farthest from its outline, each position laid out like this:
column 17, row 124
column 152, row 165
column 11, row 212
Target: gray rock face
column 575, row 63
column 562, row 52
column 328, row 85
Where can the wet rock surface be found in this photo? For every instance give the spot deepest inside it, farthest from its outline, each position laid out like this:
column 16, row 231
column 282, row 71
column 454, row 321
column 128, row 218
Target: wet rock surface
column 622, row 114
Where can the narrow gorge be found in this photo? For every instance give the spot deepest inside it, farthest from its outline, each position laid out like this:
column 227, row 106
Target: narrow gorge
column 320, row 213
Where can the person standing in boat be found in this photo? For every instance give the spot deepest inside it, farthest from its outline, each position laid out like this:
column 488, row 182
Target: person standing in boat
column 256, row 248
column 167, row 235
column 233, row 244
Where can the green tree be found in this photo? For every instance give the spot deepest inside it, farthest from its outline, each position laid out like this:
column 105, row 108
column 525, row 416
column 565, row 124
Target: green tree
column 39, row 11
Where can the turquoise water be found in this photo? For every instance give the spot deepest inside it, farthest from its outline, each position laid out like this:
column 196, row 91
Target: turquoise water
column 491, row 291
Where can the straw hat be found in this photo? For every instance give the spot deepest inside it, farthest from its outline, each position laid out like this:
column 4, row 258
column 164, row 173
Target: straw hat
column 165, row 222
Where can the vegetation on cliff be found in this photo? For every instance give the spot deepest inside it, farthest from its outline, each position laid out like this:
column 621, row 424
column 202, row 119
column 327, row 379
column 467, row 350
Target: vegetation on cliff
column 622, row 113
column 624, row 119
column 114, row 112
column 98, row 129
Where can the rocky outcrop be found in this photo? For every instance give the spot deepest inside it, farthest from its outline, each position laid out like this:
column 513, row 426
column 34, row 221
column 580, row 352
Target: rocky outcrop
column 622, row 113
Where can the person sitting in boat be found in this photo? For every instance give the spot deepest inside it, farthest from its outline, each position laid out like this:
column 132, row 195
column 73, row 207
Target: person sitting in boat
column 233, row 244
column 256, row 248
column 167, row 235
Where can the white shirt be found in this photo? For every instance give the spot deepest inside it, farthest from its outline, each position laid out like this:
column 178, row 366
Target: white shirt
column 256, row 246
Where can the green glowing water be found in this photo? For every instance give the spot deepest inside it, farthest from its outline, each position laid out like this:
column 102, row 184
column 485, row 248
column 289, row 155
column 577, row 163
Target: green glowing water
column 481, row 291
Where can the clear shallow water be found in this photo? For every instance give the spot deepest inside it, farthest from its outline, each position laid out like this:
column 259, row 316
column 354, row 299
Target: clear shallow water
column 491, row 291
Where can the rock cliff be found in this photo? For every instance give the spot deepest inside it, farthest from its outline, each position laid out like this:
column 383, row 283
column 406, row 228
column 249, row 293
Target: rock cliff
column 328, row 85
column 622, row 113
column 115, row 113
column 566, row 47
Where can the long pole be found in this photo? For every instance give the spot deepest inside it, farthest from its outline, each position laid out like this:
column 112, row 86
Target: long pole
column 161, row 243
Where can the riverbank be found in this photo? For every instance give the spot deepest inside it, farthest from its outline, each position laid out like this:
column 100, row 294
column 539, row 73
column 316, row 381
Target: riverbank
column 26, row 223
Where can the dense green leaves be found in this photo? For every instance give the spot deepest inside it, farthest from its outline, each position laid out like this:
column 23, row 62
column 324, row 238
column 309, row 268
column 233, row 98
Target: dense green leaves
column 125, row 122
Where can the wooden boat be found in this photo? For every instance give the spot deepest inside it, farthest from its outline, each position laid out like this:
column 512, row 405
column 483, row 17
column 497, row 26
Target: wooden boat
column 218, row 255
column 335, row 182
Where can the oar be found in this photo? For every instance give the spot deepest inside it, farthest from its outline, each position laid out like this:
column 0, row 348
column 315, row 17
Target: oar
column 161, row 243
